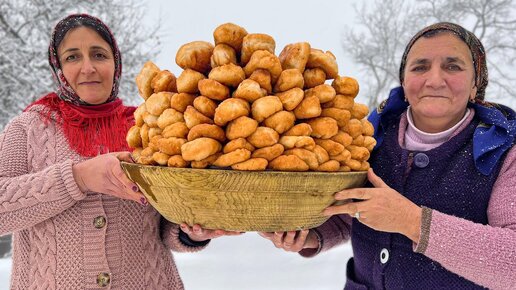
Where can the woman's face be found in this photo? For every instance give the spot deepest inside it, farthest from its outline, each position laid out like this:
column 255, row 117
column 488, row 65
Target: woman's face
column 439, row 81
column 88, row 64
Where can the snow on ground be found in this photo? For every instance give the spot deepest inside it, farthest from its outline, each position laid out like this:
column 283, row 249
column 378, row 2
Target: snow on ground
column 249, row 262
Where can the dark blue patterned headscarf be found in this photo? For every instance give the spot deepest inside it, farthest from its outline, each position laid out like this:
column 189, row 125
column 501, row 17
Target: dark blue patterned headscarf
column 64, row 90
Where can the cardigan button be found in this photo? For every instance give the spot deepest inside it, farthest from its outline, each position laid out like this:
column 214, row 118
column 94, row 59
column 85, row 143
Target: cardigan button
column 384, row 256
column 421, row 160
column 99, row 222
column 103, row 279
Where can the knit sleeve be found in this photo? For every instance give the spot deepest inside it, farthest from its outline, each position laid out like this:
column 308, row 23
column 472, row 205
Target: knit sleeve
column 484, row 254
column 170, row 237
column 28, row 198
column 332, row 233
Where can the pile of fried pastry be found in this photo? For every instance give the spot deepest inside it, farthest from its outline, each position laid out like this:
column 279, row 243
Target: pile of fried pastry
column 238, row 105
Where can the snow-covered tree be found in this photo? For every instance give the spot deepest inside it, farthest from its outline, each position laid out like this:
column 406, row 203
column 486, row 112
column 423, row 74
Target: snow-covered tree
column 386, row 26
column 25, row 28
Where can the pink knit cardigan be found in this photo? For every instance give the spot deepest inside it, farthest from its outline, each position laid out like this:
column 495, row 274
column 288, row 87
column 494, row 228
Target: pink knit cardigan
column 484, row 254
column 56, row 244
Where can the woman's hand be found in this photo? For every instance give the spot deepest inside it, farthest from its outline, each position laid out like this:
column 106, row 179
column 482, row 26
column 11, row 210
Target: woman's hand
column 103, row 174
column 293, row 241
column 198, row 234
column 381, row 208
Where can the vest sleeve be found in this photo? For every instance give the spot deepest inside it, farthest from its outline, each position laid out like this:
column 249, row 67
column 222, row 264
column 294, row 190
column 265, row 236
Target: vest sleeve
column 332, row 233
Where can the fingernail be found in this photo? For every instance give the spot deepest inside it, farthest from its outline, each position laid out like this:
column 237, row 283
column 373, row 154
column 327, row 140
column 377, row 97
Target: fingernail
column 135, row 188
column 143, row 200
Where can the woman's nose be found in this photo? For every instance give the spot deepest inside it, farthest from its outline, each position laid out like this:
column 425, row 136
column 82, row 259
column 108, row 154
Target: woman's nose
column 435, row 78
column 87, row 66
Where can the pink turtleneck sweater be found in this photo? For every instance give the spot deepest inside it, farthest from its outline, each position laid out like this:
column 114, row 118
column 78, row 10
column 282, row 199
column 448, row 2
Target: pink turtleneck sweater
column 60, row 239
column 484, row 254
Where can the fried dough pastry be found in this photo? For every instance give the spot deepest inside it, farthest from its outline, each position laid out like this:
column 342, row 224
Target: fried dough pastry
column 288, row 79
column 241, row 127
column 262, row 77
column 193, row 117
column 291, row 98
column 223, row 54
column 133, row 138
column 188, row 80
column 329, row 166
column 230, row 34
column 213, row 89
column 205, row 105
column 325, row 93
column 195, row 55
column 154, row 132
column 367, row 127
column 229, row 110
column 239, row 143
column 365, row 166
column 168, row 117
column 325, row 61
column 153, row 143
column 144, row 133
column 138, row 115
column 269, row 152
column 280, row 121
column 341, row 116
column 323, row 127
column 263, row 59
column 344, row 168
column 333, row 148
column 343, row 138
column 177, row 161
column 355, row 165
column 252, row 164
column 254, row 42
column 301, row 129
column 310, row 107
column 353, row 128
column 346, row 86
column 342, row 157
column 313, row 77
column 249, row 90
column 358, row 153
column 290, row 142
column 358, row 141
column 295, row 56
column 307, row 156
column 341, row 102
column 150, row 119
column 199, row 149
column 171, row 145
column 179, row 130
column 206, row 161
column 136, row 154
column 164, row 81
column 263, row 137
column 369, row 143
column 160, row 158
column 144, row 79
column 146, row 157
column 180, row 101
column 206, row 130
column 359, row 111
column 321, row 154
column 233, row 157
column 288, row 163
column 265, row 107
column 158, row 102
column 230, row 75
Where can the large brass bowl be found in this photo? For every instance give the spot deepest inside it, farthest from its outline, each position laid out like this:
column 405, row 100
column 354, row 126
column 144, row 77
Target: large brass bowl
column 241, row 200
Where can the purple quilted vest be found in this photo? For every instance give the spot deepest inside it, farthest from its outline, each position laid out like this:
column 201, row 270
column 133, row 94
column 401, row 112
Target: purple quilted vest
column 444, row 179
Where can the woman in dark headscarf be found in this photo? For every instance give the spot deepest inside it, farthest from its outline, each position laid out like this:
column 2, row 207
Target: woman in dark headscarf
column 442, row 210
column 63, row 194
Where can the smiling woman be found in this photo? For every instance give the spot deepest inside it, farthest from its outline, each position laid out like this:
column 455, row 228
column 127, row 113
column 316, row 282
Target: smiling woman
column 88, row 64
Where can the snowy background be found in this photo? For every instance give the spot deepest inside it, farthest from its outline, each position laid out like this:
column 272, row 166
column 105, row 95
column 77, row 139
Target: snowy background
column 249, row 262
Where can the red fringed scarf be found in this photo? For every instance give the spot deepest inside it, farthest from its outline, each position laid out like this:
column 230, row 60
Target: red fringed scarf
column 90, row 130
